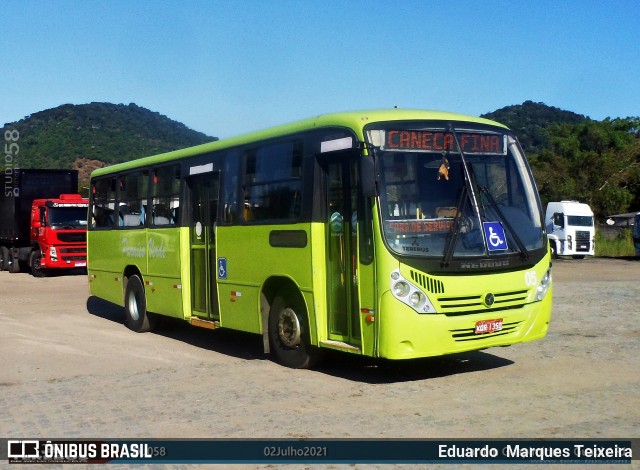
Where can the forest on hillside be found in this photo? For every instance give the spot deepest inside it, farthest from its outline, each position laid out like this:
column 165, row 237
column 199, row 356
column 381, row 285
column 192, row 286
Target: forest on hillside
column 571, row 156
column 577, row 158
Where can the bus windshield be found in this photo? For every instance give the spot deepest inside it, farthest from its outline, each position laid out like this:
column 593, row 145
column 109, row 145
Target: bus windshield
column 455, row 192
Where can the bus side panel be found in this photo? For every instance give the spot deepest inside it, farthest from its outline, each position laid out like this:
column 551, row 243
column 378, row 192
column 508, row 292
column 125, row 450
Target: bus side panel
column 163, row 285
column 250, row 262
column 104, row 267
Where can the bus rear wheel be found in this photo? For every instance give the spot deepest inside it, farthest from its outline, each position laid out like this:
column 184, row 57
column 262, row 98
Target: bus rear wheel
column 289, row 335
column 136, row 317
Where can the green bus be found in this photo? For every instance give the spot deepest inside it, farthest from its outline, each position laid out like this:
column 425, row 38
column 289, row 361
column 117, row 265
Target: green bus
column 394, row 234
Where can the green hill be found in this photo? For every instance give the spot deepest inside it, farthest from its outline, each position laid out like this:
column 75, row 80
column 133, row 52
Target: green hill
column 531, row 121
column 91, row 135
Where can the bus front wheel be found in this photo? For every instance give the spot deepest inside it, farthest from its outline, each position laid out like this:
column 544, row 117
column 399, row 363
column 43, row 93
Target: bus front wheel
column 135, row 307
column 289, row 335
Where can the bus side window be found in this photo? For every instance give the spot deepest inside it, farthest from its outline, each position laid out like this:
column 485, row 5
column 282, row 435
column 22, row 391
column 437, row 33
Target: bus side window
column 103, row 197
column 165, row 195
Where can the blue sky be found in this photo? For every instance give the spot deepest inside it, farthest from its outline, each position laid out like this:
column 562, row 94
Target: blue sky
column 229, row 67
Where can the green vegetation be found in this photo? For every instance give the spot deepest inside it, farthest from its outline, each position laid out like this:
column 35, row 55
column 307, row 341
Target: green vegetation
column 575, row 158
column 531, row 121
column 571, row 156
column 95, row 134
column 621, row 245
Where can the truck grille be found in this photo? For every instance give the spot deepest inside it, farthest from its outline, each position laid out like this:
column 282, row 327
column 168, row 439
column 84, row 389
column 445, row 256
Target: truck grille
column 583, row 241
column 72, row 237
column 73, row 254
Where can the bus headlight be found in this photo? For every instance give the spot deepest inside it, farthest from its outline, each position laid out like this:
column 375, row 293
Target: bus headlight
column 416, row 299
column 544, row 285
column 409, row 294
column 401, row 289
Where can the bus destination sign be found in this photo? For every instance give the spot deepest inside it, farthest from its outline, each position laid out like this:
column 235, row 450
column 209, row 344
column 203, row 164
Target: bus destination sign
column 442, row 141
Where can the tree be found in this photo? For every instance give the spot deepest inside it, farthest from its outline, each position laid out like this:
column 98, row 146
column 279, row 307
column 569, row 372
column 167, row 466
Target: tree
column 597, row 162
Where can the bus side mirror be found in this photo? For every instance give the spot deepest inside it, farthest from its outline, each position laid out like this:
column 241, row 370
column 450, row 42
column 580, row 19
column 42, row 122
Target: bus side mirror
column 368, row 176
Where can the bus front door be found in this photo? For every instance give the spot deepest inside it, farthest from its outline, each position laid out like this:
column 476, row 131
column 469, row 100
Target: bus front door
column 342, row 258
column 203, row 203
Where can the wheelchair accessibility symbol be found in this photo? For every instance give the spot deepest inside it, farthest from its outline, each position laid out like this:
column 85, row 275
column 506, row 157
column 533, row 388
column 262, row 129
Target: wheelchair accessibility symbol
column 222, row 268
column 494, row 233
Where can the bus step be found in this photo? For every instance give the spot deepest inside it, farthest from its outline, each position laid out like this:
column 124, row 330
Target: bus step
column 339, row 345
column 211, row 325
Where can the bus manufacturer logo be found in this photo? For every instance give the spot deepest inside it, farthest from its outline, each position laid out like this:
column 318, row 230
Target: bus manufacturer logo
column 489, row 299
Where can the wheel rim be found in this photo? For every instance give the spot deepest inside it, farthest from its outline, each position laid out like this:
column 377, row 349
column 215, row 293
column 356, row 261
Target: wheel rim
column 134, row 312
column 37, row 262
column 289, row 328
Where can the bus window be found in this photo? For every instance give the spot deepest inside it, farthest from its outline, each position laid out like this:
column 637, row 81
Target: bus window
column 132, row 199
column 165, row 195
column 273, row 182
column 104, row 199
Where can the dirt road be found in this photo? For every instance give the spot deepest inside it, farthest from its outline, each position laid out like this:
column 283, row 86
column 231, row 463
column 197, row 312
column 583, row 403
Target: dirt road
column 71, row 369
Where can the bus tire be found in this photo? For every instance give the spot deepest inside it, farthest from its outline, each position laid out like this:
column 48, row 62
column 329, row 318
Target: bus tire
column 289, row 334
column 136, row 317
column 35, row 265
column 4, row 258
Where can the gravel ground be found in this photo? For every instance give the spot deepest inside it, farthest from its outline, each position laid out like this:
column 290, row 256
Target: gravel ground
column 71, row 369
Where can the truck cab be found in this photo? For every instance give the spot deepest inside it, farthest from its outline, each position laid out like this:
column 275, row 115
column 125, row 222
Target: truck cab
column 570, row 229
column 58, row 233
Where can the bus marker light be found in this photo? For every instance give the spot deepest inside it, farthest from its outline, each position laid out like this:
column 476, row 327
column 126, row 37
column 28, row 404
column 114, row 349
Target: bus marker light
column 370, row 318
column 177, row 286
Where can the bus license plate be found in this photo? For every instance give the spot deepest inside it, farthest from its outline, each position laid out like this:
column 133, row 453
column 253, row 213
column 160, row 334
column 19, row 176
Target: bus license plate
column 488, row 326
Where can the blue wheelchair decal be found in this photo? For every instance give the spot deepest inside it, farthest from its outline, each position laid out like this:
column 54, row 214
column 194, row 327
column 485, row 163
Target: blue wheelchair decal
column 496, row 239
column 222, row 268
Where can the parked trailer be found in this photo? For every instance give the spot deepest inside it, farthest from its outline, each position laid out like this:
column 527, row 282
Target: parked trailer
column 43, row 221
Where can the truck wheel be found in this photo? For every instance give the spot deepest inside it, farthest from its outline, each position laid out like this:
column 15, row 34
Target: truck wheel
column 14, row 263
column 4, row 258
column 289, row 334
column 554, row 250
column 35, row 264
column 136, row 317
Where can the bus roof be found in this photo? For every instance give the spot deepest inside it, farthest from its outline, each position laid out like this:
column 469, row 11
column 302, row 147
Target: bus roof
column 352, row 119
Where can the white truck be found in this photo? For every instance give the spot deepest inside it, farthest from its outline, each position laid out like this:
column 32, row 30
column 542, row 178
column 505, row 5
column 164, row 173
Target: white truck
column 570, row 229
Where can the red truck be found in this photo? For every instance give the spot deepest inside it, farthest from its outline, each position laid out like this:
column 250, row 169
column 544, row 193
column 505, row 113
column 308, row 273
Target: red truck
column 43, row 223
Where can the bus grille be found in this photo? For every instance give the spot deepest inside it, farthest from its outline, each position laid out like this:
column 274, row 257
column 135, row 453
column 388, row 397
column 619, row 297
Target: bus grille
column 583, row 241
column 428, row 283
column 469, row 304
column 469, row 334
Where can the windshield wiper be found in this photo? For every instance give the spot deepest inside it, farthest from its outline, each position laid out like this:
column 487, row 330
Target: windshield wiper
column 523, row 250
column 455, row 233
